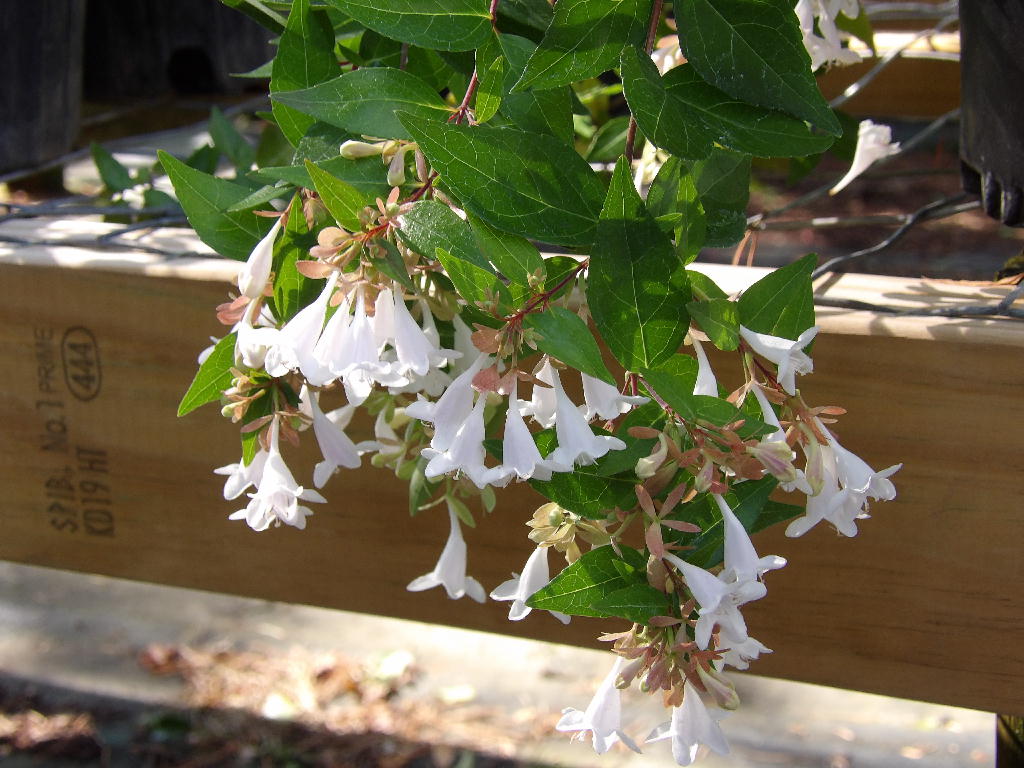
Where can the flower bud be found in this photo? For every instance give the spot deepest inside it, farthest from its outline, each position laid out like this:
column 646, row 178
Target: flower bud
column 353, row 150
column 720, row 688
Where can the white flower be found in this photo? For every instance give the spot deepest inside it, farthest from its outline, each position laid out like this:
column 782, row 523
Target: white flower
column 739, row 655
column 543, row 401
column 356, row 359
column 255, row 273
column 417, row 354
column 450, row 571
column 296, row 342
column 706, row 383
column 252, row 342
column 519, row 455
column 519, row 589
column 241, row 476
column 577, row 444
column 602, row 717
column 741, row 560
column 873, row 143
column 601, row 399
column 719, row 601
column 691, row 725
column 277, row 498
column 788, row 355
column 828, row 48
column 451, row 410
column 855, row 474
column 337, row 449
column 466, row 453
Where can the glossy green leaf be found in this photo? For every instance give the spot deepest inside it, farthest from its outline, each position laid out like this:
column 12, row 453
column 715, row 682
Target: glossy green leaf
column 595, row 575
column 588, row 490
column 343, row 201
column 753, row 50
column 230, row 142
column 514, row 256
column 686, row 116
column 609, row 141
column 491, row 68
column 547, row 110
column 782, row 302
column 367, row 175
column 585, row 39
column 261, row 197
column 292, row 289
column 532, row 16
column 212, row 378
column 674, row 190
column 636, row 287
column 392, row 265
column 719, row 319
column 723, row 187
column 429, row 225
column 305, row 57
column 703, row 286
column 261, row 12
column 206, row 199
column 366, row 101
column 115, row 176
column 564, row 336
column 473, row 283
column 528, row 184
column 444, row 25
column 637, row 603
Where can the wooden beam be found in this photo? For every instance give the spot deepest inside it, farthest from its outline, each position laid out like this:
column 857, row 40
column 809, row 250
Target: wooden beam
column 100, row 476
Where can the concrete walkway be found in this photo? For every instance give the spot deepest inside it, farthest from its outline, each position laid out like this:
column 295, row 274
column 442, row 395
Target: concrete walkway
column 63, row 633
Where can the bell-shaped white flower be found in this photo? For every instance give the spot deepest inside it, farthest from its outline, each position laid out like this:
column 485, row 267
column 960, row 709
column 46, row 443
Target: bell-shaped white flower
column 520, row 457
column 692, row 725
column 741, row 560
column 451, row 410
column 241, row 476
column 466, row 453
column 463, row 345
column 874, row 142
column 543, row 402
column 706, row 383
column 855, row 474
column 328, row 346
column 255, row 273
column 787, row 355
column 826, row 48
column 294, row 349
column 384, row 317
column 577, row 444
column 337, row 449
column 450, row 571
column 521, row 588
column 739, row 655
column 276, row 500
column 357, row 360
column 719, row 601
column 602, row 400
column 417, row 354
column 602, row 717
column 253, row 341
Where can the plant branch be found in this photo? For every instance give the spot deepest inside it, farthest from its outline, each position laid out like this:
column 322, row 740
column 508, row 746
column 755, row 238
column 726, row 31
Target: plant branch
column 652, row 30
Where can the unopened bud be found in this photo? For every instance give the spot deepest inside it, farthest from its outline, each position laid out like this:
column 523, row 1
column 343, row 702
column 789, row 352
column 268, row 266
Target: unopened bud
column 721, row 688
column 353, row 150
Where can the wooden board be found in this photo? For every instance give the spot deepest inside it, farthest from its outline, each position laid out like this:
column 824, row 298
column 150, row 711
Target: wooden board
column 100, row 476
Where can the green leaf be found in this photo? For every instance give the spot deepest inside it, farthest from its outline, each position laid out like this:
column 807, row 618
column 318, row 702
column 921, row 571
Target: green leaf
column 230, row 142
column 292, row 289
column 342, row 201
column 212, row 378
column 115, row 176
column 205, row 200
column 429, row 225
column 585, row 39
column 609, row 141
column 305, row 57
column 547, row 110
column 636, row 287
column 533, row 16
column 686, row 116
column 719, row 319
column 782, row 302
column 261, row 197
column 367, row 175
column 637, row 603
column 859, row 27
column 420, row 488
column 746, row 500
column 260, row 407
column 392, row 265
column 472, row 282
column 564, row 336
column 490, row 68
column 723, row 186
column 674, row 380
column 528, row 184
column 444, row 25
column 366, row 101
column 514, row 256
column 753, row 50
column 321, row 143
column 588, row 490
column 674, row 190
column 597, row 574
column 559, row 269
column 260, row 12
column 704, row 286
